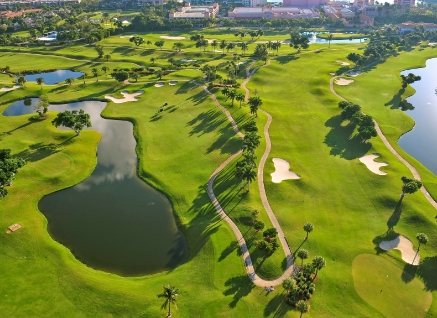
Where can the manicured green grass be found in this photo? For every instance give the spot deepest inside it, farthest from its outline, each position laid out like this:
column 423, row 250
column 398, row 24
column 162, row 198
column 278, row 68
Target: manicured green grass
column 383, row 285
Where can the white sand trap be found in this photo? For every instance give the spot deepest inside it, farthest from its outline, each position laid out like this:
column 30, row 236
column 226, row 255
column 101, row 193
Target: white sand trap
column 211, row 40
column 354, row 73
column 343, row 63
column 343, row 81
column 187, row 60
column 172, row 37
column 8, row 89
column 432, row 44
column 409, row 255
column 332, row 73
column 172, row 83
column 126, row 37
column 126, row 97
column 282, row 171
column 160, row 84
column 372, row 165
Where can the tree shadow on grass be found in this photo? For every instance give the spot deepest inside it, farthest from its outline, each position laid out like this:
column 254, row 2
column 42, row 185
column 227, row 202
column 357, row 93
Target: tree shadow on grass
column 342, row 142
column 286, row 59
column 30, row 121
column 185, row 88
column 239, row 287
column 396, row 99
column 228, row 250
column 206, row 122
column 426, row 271
column 277, row 307
column 38, row 152
column 396, row 215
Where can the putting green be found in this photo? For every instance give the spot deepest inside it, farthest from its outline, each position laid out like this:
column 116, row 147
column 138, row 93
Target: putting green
column 53, row 165
column 378, row 281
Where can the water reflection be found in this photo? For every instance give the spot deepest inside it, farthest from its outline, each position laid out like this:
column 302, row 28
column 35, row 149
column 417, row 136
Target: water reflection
column 113, row 220
column 53, row 77
column 421, row 142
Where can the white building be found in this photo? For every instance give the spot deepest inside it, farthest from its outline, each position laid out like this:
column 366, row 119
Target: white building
column 195, row 12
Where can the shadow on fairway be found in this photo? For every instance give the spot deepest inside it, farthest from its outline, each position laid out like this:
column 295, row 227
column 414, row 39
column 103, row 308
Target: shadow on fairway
column 39, row 151
column 342, row 141
column 426, row 271
column 277, row 307
column 394, row 218
column 286, row 59
column 228, row 250
column 239, row 287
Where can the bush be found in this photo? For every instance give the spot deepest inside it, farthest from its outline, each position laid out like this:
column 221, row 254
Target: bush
column 311, row 290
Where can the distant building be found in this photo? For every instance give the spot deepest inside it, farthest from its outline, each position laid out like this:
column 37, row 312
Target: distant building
column 195, row 12
column 253, row 3
column 410, row 26
column 304, row 3
column 34, row 3
column 405, row 3
column 240, row 13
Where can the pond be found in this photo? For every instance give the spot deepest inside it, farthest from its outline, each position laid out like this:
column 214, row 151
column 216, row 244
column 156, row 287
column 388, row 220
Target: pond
column 54, row 77
column 112, row 221
column 421, row 142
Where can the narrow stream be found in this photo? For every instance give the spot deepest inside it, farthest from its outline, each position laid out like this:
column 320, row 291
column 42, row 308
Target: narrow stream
column 112, row 221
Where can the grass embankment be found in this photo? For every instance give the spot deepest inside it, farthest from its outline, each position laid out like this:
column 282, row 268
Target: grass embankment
column 350, row 207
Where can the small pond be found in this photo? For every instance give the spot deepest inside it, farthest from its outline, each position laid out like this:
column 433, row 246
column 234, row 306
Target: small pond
column 421, row 142
column 53, row 77
column 112, row 221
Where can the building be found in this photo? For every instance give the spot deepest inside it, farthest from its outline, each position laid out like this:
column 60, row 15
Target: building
column 304, row 3
column 35, row 3
column 253, row 3
column 410, row 26
column 195, row 12
column 405, row 3
column 240, row 13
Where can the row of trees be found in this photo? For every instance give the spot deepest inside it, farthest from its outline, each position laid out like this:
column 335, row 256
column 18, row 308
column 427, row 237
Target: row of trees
column 245, row 169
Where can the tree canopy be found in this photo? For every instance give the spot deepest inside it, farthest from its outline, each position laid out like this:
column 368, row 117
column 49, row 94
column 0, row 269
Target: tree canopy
column 8, row 169
column 75, row 120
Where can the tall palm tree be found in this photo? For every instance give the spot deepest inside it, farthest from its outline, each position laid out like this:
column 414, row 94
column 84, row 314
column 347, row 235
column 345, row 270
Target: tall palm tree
column 278, row 45
column 318, row 263
column 170, row 293
column 69, row 81
column 302, row 254
column 96, row 73
column 82, row 77
column 308, row 227
column 22, row 81
column 254, row 102
column 329, row 39
column 171, row 61
column 232, row 94
column 159, row 74
column 152, row 59
column 214, row 44
column 302, row 306
column 249, row 174
column 223, row 45
column 149, row 43
column 289, row 284
column 225, row 91
column 240, row 98
column 422, row 238
column 269, row 45
column 244, row 47
column 40, row 81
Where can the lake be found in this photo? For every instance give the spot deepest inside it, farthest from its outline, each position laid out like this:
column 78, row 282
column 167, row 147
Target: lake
column 53, row 77
column 421, row 142
column 112, row 221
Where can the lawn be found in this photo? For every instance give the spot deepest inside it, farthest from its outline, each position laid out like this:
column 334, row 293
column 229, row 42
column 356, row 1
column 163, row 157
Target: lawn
column 178, row 150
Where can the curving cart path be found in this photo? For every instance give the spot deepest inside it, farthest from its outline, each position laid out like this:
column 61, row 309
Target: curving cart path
column 240, row 239
column 413, row 170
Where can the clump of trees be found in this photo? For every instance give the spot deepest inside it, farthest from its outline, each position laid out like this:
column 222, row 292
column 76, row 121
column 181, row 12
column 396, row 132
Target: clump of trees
column 75, row 120
column 8, row 169
column 299, row 41
column 120, row 76
column 99, row 50
column 43, row 106
column 410, row 185
column 137, row 40
column 409, row 79
column 270, row 242
column 365, row 123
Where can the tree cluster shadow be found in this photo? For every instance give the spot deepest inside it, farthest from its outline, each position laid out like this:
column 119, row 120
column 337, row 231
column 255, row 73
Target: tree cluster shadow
column 426, row 271
column 40, row 151
column 277, row 307
column 342, row 141
column 239, row 287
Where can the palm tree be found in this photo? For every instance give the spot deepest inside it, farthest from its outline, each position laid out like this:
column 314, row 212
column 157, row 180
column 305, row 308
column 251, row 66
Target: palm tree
column 40, row 81
column 105, row 69
column 107, row 57
column 232, row 94
column 159, row 74
column 240, row 98
column 225, row 91
column 69, row 81
column 329, row 39
column 308, row 227
column 214, row 44
column 249, row 175
column 149, row 43
column 22, row 81
column 96, row 73
column 230, row 46
column 244, row 47
column 302, row 254
column 302, row 306
column 82, row 77
column 269, row 45
column 422, row 238
column 289, row 284
column 223, row 45
column 171, row 61
column 152, row 59
column 278, row 45
column 318, row 263
column 170, row 293
column 254, row 102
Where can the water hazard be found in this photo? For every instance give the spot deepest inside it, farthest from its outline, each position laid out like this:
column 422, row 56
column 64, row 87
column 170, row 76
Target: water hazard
column 421, row 142
column 113, row 221
column 53, row 77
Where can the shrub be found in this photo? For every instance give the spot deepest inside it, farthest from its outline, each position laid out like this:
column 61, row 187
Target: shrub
column 311, row 290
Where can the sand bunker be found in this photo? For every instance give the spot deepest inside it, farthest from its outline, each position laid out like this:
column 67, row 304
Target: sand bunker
column 8, row 89
column 172, row 37
column 343, row 82
column 432, row 44
column 343, row 63
column 160, row 84
column 173, row 83
column 409, row 255
column 372, row 165
column 211, row 40
column 126, row 37
column 354, row 73
column 282, row 171
column 187, row 60
column 126, row 97
column 332, row 73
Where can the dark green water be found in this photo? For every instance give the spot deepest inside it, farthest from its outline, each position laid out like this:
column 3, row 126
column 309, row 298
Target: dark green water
column 113, row 221
column 421, row 142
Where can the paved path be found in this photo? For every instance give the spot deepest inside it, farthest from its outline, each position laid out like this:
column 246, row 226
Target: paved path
column 240, row 239
column 413, row 170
